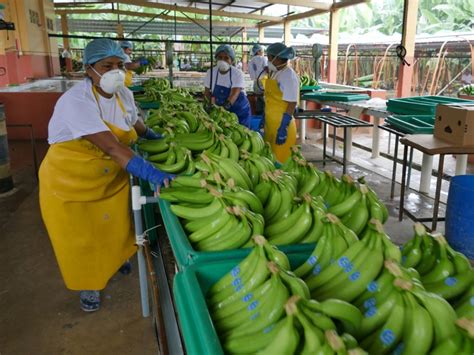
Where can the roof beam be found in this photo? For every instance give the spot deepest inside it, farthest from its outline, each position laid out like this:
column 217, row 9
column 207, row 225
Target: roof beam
column 193, row 10
column 302, row 3
column 150, row 15
column 314, row 12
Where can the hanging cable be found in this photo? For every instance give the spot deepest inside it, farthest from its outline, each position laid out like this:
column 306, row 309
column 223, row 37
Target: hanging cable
column 401, row 54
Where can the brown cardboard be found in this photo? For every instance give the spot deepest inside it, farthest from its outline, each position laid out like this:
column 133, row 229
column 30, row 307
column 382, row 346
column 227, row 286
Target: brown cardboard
column 454, row 123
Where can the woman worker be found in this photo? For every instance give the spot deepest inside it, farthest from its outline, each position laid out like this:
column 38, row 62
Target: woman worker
column 281, row 97
column 129, row 65
column 228, row 84
column 84, row 184
column 257, row 69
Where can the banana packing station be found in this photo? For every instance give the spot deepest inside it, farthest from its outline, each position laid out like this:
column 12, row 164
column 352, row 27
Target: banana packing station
column 270, row 177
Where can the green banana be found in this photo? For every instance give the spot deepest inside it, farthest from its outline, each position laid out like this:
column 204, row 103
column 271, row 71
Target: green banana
column 418, row 332
column 286, row 340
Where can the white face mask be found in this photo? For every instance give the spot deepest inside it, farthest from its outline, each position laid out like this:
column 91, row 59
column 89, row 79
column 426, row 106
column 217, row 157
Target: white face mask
column 112, row 80
column 223, row 66
column 272, row 67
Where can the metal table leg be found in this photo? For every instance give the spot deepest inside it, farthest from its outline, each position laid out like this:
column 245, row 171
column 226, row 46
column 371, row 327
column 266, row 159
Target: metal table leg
column 439, row 180
column 394, row 168
column 389, row 141
column 348, row 143
column 324, row 143
column 344, row 161
column 402, row 188
column 334, row 141
column 410, row 162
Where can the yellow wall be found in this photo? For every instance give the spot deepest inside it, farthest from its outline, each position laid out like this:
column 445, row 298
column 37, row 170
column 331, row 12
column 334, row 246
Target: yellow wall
column 32, row 37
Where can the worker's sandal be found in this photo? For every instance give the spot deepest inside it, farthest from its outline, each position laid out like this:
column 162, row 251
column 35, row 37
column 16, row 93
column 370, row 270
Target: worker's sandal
column 126, row 268
column 90, row 300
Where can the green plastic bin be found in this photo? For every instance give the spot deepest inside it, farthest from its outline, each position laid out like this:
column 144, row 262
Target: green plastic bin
column 136, row 88
column 334, row 96
column 148, row 105
column 412, row 124
column 186, row 255
column 310, row 88
column 189, row 289
column 420, row 105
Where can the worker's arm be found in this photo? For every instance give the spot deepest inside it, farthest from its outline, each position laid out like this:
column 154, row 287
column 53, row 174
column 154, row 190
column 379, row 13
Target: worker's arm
column 207, row 93
column 132, row 66
column 140, row 128
column 290, row 109
column 234, row 94
column 109, row 144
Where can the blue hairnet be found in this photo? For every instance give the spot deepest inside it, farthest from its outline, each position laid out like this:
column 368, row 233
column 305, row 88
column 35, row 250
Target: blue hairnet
column 226, row 49
column 126, row 44
column 280, row 50
column 101, row 48
column 256, row 48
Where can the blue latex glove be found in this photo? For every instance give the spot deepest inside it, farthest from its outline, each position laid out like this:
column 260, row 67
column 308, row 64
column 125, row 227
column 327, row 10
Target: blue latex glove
column 143, row 61
column 227, row 105
column 139, row 167
column 282, row 132
column 150, row 134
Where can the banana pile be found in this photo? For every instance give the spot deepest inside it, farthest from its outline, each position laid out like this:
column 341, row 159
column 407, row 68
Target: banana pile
column 247, row 306
column 330, row 273
column 400, row 316
column 305, row 80
column 355, row 204
column 443, row 270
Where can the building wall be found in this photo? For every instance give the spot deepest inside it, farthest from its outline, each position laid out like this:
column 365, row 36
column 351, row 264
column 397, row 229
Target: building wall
column 28, row 53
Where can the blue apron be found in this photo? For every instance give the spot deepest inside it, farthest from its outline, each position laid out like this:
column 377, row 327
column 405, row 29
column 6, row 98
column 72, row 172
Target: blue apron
column 241, row 106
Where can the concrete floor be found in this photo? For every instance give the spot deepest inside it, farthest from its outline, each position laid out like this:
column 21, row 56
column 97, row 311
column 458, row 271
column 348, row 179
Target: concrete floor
column 38, row 315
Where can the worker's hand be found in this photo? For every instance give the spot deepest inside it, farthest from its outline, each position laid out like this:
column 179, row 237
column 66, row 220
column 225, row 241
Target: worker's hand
column 227, row 105
column 152, row 135
column 143, row 61
column 139, row 167
column 282, row 132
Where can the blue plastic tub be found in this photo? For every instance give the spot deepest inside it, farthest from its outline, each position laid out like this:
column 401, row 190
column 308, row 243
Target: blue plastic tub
column 460, row 214
column 255, row 123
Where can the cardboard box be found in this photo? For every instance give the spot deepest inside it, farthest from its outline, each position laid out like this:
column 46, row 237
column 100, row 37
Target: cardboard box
column 454, row 123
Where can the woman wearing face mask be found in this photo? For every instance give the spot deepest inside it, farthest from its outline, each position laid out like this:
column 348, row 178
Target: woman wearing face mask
column 228, row 84
column 281, row 97
column 257, row 68
column 84, row 180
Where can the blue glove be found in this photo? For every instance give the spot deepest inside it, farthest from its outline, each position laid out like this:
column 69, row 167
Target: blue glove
column 143, row 61
column 282, row 132
column 151, row 135
column 137, row 166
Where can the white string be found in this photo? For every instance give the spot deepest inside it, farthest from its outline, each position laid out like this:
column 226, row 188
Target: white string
column 140, row 239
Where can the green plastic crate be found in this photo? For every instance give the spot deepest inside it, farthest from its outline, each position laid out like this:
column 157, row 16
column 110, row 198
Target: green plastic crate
column 189, row 289
column 148, row 105
column 412, row 124
column 420, row 105
column 309, row 88
column 334, row 96
column 186, row 255
column 137, row 88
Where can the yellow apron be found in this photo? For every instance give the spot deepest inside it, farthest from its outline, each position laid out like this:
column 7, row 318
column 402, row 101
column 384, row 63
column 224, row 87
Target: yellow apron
column 84, row 200
column 274, row 109
column 128, row 78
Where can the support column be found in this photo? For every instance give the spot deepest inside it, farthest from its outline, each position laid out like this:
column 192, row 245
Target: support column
column 405, row 73
column 66, row 45
column 333, row 45
column 287, row 32
column 245, row 58
column 120, row 30
column 261, row 34
column 461, row 164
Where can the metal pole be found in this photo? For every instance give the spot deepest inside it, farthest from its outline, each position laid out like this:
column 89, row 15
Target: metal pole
column 210, row 43
column 137, row 215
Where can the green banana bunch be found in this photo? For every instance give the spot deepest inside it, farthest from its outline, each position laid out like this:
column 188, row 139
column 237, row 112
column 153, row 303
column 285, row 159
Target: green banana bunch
column 256, row 165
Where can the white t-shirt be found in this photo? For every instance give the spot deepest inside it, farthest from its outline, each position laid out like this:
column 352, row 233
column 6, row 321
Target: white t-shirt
column 256, row 66
column 127, row 58
column 288, row 83
column 77, row 114
column 224, row 79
